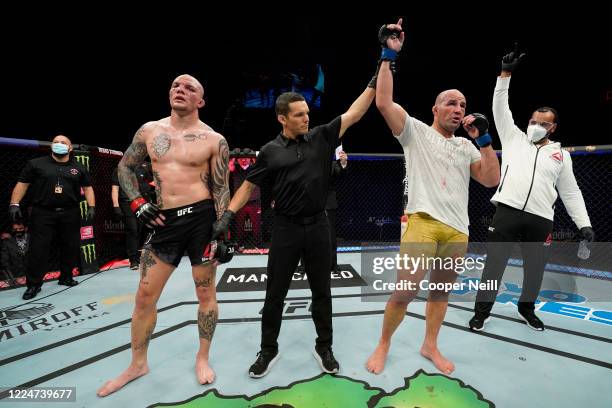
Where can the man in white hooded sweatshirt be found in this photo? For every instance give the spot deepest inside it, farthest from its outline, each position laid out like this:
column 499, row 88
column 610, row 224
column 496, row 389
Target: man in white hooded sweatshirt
column 533, row 169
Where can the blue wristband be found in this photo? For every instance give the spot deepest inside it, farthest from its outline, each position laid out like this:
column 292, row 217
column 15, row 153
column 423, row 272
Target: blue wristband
column 484, row 140
column 388, row 54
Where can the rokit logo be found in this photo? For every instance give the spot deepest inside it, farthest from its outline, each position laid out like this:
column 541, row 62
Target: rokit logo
column 87, row 232
column 19, row 320
column 246, row 279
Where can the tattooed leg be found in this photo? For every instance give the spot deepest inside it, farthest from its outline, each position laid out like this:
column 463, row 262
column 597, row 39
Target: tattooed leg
column 208, row 314
column 154, row 275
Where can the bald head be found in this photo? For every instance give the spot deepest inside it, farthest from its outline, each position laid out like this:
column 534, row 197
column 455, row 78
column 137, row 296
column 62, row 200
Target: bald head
column 188, row 79
column 449, row 94
column 448, row 111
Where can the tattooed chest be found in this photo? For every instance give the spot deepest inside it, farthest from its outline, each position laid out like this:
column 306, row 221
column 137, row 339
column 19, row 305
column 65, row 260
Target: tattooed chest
column 183, row 150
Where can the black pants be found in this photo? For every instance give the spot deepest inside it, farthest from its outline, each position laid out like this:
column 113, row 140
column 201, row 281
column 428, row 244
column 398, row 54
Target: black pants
column 44, row 224
column 511, row 225
column 331, row 219
column 290, row 240
column 133, row 232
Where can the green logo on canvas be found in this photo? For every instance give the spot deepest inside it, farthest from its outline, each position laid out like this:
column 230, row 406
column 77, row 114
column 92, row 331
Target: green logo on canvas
column 89, row 252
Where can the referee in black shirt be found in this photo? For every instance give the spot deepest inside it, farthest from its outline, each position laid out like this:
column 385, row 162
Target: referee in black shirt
column 55, row 183
column 297, row 163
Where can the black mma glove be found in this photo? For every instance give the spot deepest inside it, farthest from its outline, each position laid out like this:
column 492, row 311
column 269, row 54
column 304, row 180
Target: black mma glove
column 587, row 234
column 512, row 59
column 91, row 213
column 482, row 124
column 220, row 227
column 15, row 213
column 117, row 213
column 145, row 211
column 384, row 33
column 224, row 251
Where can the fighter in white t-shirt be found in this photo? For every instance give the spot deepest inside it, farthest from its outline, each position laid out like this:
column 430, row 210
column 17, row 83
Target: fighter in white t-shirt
column 438, row 170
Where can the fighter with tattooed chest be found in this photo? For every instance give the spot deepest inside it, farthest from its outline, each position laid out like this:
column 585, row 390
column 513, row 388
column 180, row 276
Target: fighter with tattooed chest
column 190, row 168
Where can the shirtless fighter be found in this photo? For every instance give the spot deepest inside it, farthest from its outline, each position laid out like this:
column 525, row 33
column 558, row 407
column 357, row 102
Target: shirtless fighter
column 190, row 169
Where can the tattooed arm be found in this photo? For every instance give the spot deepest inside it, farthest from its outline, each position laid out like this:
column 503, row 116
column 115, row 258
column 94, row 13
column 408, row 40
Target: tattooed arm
column 133, row 157
column 219, row 182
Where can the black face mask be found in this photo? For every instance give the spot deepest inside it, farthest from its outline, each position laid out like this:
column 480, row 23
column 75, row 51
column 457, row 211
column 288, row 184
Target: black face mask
column 19, row 234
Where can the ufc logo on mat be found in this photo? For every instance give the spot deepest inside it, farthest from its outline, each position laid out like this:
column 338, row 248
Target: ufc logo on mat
column 184, row 211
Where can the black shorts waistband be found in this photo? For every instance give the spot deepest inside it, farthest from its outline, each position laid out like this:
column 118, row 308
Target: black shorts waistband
column 301, row 220
column 200, row 205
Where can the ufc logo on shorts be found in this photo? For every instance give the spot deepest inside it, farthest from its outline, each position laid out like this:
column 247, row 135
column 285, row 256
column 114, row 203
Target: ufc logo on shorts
column 184, row 211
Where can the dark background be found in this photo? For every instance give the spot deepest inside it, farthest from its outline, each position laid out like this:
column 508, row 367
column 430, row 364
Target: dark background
column 98, row 77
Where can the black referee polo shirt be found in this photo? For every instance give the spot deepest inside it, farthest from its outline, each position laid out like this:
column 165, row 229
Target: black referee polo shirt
column 44, row 174
column 299, row 169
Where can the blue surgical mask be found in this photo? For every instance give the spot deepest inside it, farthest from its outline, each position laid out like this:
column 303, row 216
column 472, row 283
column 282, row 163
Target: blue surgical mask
column 59, row 148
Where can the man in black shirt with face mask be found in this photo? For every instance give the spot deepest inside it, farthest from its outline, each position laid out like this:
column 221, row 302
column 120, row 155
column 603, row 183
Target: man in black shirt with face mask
column 55, row 183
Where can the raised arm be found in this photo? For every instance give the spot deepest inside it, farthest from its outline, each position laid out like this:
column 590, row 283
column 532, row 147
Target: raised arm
column 391, row 44
column 357, row 110
column 220, row 177
column 501, row 108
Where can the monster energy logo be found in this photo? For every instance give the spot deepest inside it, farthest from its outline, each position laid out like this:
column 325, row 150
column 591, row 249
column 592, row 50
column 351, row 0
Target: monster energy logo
column 84, row 160
column 89, row 252
column 83, row 206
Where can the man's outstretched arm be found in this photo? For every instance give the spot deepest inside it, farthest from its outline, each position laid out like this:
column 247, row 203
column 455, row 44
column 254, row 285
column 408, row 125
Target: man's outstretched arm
column 357, row 110
column 391, row 43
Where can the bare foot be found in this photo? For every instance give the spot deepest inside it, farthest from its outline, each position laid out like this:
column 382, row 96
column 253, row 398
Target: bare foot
column 376, row 362
column 125, row 377
column 444, row 365
column 205, row 374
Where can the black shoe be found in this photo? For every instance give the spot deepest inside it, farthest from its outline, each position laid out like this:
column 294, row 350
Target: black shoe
column 31, row 292
column 326, row 360
column 477, row 322
column 134, row 265
column 67, row 282
column 532, row 320
column 263, row 364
